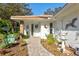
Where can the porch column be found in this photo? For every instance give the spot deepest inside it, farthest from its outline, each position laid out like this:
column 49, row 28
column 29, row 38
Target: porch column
column 21, row 29
column 30, row 30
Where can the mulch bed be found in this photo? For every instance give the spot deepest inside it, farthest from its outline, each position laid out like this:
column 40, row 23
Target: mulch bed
column 15, row 50
column 53, row 48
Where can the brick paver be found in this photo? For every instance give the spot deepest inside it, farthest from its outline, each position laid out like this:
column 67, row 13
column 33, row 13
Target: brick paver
column 36, row 49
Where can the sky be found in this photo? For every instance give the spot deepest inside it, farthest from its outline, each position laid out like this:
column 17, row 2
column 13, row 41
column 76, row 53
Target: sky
column 39, row 8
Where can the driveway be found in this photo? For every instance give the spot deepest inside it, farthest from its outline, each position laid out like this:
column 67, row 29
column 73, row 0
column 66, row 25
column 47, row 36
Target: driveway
column 36, row 49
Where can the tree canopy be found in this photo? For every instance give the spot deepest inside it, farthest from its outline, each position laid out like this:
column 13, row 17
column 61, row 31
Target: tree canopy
column 9, row 9
column 51, row 11
column 5, row 26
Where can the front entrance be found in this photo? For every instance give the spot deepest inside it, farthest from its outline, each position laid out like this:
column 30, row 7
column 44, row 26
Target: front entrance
column 33, row 29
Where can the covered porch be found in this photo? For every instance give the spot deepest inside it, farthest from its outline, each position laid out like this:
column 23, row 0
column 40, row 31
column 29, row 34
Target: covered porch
column 36, row 26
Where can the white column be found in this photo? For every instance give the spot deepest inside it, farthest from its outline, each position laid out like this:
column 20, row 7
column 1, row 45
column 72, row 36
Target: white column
column 53, row 30
column 30, row 30
column 21, row 28
column 24, row 28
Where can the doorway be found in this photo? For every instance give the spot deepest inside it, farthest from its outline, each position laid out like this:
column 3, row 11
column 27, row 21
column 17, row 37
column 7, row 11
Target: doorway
column 32, row 29
column 51, row 25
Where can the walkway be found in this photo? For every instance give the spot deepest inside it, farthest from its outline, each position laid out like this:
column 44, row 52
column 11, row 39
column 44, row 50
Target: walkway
column 36, row 49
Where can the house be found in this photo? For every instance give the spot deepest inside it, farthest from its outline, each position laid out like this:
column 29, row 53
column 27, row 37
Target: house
column 66, row 20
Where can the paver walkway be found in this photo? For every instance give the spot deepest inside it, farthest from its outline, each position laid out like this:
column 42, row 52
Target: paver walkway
column 36, row 49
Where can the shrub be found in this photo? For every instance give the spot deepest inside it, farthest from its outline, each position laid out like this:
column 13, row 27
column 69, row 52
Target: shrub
column 1, row 36
column 25, row 36
column 51, row 39
column 2, row 45
column 5, row 26
column 16, row 35
column 50, row 36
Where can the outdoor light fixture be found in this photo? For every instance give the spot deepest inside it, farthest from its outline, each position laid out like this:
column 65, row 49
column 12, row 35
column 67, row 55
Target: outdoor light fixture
column 45, row 26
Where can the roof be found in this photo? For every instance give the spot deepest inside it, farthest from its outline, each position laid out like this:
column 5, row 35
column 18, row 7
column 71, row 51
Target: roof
column 67, row 10
column 64, row 7
column 69, row 7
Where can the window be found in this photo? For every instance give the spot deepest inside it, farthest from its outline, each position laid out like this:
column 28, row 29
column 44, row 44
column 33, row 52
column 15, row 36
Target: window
column 36, row 26
column 27, row 26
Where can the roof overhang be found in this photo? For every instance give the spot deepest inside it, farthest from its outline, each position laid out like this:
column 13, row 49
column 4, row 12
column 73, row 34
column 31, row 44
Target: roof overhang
column 31, row 18
column 68, row 9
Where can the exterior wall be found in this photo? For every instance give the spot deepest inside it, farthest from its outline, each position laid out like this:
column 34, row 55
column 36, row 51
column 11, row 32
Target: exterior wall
column 61, row 22
column 37, row 30
column 44, row 31
column 41, row 31
column 72, row 32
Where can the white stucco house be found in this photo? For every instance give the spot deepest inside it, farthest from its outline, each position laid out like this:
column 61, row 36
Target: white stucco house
column 66, row 20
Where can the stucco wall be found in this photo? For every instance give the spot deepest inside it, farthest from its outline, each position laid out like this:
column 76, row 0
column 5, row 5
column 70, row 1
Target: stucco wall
column 41, row 31
column 44, row 31
column 61, row 24
column 37, row 30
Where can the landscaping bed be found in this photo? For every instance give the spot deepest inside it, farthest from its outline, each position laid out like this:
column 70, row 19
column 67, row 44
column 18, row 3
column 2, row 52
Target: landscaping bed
column 18, row 49
column 53, row 48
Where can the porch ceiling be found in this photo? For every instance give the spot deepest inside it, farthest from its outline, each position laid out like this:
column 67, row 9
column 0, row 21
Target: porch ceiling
column 29, row 18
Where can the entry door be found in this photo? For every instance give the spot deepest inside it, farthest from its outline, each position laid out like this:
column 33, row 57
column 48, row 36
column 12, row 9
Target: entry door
column 51, row 25
column 32, row 29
